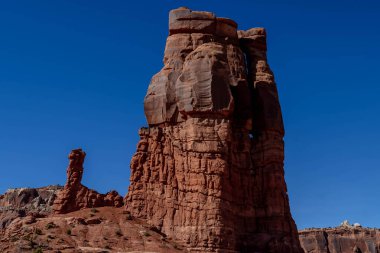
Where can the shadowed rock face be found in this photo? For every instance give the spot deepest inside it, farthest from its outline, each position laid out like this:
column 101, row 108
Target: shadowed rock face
column 209, row 169
column 75, row 196
column 340, row 240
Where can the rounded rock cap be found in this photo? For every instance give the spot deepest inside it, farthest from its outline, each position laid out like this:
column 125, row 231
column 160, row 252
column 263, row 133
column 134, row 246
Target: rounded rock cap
column 184, row 20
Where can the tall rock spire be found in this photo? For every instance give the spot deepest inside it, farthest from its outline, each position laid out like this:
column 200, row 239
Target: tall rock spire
column 75, row 196
column 209, row 169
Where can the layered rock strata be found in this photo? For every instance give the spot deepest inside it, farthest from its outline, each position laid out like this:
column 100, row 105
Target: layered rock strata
column 340, row 240
column 209, row 169
column 75, row 196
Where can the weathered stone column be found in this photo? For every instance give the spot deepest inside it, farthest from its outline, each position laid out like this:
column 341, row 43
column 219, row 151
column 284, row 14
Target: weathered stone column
column 209, row 169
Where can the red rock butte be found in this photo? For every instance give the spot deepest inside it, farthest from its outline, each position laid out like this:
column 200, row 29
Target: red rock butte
column 209, row 170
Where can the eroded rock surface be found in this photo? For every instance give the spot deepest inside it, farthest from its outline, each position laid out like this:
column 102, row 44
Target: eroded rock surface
column 341, row 240
column 75, row 196
column 209, row 169
column 100, row 230
column 22, row 202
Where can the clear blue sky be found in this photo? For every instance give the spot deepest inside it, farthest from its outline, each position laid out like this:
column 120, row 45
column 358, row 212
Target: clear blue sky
column 74, row 74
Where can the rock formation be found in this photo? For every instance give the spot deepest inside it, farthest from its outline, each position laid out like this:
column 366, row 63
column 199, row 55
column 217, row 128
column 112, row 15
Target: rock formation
column 29, row 198
column 341, row 239
column 75, row 196
column 209, row 169
column 22, row 202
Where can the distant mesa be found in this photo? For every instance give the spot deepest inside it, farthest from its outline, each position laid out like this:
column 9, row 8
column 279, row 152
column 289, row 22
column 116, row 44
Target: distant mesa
column 345, row 238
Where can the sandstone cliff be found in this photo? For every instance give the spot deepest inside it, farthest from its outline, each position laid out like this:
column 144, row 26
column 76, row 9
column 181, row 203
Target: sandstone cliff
column 209, row 169
column 340, row 240
column 75, row 196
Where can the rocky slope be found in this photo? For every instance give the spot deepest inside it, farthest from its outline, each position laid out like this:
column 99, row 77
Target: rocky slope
column 209, row 169
column 101, row 230
column 343, row 239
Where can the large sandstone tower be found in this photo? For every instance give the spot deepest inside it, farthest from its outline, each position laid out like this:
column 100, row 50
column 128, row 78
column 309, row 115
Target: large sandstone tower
column 209, row 169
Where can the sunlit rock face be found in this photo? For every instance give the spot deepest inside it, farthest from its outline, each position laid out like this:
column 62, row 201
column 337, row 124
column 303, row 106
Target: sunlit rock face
column 208, row 170
column 75, row 196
